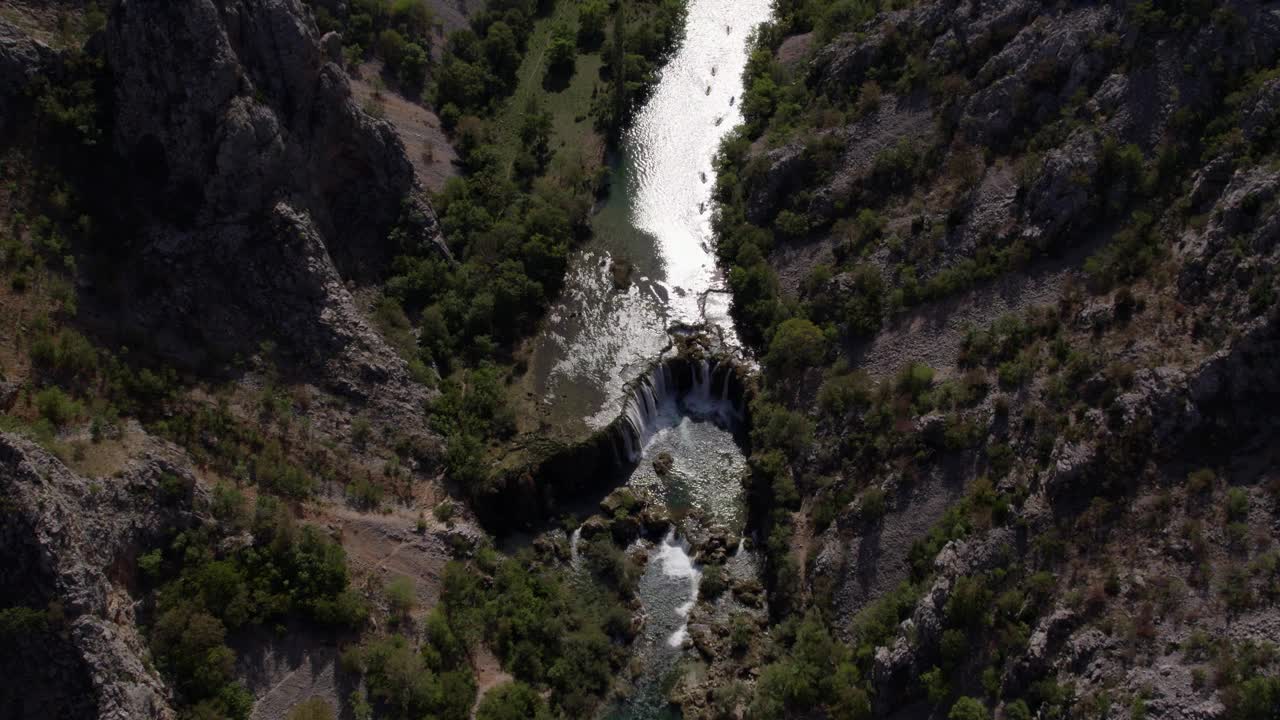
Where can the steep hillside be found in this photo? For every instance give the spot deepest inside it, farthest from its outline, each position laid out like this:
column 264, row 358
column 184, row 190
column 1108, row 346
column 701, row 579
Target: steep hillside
column 1012, row 270
column 245, row 382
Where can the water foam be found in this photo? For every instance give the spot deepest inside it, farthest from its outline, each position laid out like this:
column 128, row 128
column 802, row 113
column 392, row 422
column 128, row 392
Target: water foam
column 673, row 556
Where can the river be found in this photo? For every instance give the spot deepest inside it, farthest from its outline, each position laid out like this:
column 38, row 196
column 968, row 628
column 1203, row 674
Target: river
column 598, row 351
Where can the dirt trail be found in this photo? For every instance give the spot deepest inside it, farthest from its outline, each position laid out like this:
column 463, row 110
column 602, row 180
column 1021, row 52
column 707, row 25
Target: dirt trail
column 489, row 674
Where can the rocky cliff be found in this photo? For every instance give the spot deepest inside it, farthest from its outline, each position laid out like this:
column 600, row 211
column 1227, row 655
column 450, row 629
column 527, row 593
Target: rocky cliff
column 70, row 550
column 250, row 191
column 261, row 187
column 1041, row 240
column 241, row 201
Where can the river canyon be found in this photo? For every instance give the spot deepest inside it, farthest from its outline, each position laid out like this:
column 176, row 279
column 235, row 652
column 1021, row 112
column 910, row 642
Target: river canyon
column 648, row 280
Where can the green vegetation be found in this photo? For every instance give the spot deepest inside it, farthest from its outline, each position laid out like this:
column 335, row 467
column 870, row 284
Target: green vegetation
column 202, row 593
column 818, row 672
column 398, row 32
column 313, row 709
column 513, row 218
column 513, row 701
column 407, row 683
column 19, row 621
column 547, row 634
column 796, row 346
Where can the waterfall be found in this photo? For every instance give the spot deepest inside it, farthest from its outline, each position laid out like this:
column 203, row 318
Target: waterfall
column 629, row 443
column 710, row 372
column 651, row 405
column 613, row 446
column 573, row 545
column 673, row 556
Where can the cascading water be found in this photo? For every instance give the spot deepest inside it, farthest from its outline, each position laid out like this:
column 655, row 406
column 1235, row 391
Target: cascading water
column 603, row 348
column 575, row 538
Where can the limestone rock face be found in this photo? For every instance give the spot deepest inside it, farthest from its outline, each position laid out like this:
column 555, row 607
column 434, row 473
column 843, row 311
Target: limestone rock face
column 72, row 541
column 231, row 106
column 21, row 59
column 260, row 191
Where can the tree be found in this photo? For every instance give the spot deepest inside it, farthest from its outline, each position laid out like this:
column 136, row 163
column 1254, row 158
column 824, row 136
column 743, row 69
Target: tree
column 502, row 50
column 412, row 72
column 563, row 51
column 56, row 406
column 936, row 687
column 413, row 16
column 391, row 45
column 190, row 644
column 513, row 701
column 798, row 344
column 591, row 19
column 967, row 708
column 535, row 140
column 780, row 428
column 618, row 65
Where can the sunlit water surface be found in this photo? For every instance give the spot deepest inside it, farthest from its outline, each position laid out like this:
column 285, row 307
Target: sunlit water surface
column 657, row 219
column 599, row 337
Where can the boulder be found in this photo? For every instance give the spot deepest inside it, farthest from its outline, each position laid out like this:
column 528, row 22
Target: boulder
column 621, row 501
column 663, row 463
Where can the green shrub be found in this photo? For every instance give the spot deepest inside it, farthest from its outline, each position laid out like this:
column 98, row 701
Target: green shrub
column 57, row 407
column 969, row 603
column 398, row 677
column 1017, row 710
column 1254, row 699
column 592, row 16
column 864, row 306
column 914, row 379
column 967, row 708
column 513, row 701
column 563, row 51
column 844, row 393
column 936, row 687
column 401, row 597
column 1201, row 481
column 364, row 493
column 792, row 225
column 18, row 622
column 817, row 671
column 777, row 428
column 714, row 582
column 741, row 631
column 873, row 503
column 1237, row 505
column 189, row 645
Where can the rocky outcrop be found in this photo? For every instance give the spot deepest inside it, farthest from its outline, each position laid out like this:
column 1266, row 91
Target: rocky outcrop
column 1059, row 202
column 786, row 168
column 258, row 189
column 73, row 541
column 22, row 59
column 897, row 667
column 230, row 107
column 1045, row 83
